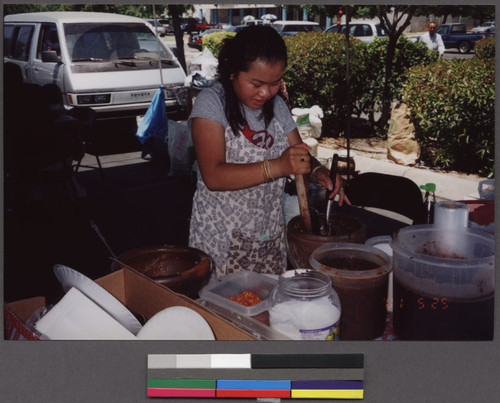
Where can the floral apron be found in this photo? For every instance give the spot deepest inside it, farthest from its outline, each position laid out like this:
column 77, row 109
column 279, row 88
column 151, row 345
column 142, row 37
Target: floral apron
column 243, row 229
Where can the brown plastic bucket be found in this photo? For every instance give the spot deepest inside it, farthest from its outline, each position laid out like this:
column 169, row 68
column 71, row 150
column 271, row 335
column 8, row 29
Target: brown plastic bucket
column 301, row 244
column 360, row 275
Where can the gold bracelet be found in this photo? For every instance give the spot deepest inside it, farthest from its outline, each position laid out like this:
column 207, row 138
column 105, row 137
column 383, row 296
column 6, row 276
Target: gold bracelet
column 268, row 168
column 265, row 174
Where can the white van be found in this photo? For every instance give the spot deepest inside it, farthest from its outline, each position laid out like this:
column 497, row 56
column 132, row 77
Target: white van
column 108, row 62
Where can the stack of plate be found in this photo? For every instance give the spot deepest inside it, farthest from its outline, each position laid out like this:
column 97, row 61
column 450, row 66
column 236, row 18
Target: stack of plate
column 88, row 311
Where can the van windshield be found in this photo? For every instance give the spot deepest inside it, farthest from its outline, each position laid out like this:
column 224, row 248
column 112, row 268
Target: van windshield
column 112, row 41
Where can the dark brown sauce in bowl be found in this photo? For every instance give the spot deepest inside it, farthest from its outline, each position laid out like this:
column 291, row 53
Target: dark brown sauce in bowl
column 347, row 263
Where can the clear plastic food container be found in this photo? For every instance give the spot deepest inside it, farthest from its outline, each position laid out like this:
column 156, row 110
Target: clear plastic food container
column 231, row 285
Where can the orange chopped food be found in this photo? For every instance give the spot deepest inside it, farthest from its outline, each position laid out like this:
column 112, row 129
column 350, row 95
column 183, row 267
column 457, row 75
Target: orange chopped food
column 246, row 298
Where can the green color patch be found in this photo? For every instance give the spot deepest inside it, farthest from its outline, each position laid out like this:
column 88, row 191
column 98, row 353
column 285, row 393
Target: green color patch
column 182, row 383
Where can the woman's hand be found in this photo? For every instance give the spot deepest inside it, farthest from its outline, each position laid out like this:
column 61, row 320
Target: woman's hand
column 322, row 176
column 295, row 160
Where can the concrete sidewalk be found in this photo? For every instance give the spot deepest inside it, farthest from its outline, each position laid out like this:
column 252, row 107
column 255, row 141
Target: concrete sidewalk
column 449, row 186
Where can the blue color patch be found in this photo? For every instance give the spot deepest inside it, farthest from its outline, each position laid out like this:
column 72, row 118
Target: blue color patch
column 252, row 384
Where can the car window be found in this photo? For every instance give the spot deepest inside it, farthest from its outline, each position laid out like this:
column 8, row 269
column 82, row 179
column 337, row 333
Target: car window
column 458, row 29
column 104, row 41
column 441, row 30
column 333, row 29
column 299, row 28
column 365, row 30
column 380, row 30
column 277, row 27
column 48, row 40
column 22, row 47
column 8, row 40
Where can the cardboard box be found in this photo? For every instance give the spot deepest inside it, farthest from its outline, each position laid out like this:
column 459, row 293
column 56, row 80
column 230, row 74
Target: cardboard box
column 140, row 294
column 15, row 315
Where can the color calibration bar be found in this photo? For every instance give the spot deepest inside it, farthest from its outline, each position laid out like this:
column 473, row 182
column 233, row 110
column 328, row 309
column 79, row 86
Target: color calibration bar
column 301, row 376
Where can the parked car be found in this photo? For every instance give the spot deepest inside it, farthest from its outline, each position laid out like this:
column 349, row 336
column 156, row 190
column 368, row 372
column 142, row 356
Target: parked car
column 294, row 27
column 166, row 24
column 203, row 25
column 455, row 36
column 196, row 41
column 237, row 28
column 188, row 24
column 486, row 27
column 365, row 31
column 158, row 26
column 253, row 22
column 108, row 62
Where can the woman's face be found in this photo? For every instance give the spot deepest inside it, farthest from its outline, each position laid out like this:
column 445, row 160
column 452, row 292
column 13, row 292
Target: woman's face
column 259, row 84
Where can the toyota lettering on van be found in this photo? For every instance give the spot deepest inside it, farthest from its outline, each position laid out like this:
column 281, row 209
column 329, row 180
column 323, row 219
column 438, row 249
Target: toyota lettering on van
column 142, row 95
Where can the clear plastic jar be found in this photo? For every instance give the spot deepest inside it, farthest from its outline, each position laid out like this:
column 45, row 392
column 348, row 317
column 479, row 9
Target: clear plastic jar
column 305, row 307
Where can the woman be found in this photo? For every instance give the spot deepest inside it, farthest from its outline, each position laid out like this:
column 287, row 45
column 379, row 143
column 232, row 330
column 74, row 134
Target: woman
column 246, row 143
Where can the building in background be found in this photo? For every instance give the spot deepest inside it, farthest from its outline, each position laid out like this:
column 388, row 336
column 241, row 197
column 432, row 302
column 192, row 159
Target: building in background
column 234, row 13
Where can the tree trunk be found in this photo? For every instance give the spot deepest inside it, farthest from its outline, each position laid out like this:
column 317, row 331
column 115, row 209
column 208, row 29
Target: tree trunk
column 394, row 28
column 175, row 12
column 386, row 94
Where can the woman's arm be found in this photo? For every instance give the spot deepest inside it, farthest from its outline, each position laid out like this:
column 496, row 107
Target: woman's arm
column 320, row 174
column 210, row 146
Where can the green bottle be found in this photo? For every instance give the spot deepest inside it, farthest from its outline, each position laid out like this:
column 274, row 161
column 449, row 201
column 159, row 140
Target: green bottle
column 429, row 201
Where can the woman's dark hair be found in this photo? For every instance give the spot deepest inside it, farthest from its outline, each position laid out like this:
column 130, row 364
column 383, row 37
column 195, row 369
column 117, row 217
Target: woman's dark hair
column 255, row 42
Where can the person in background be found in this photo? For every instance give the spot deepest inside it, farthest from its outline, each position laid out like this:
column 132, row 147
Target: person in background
column 51, row 41
column 246, row 144
column 433, row 40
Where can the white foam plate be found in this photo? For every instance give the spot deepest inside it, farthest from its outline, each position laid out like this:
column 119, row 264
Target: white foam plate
column 176, row 323
column 72, row 278
column 77, row 317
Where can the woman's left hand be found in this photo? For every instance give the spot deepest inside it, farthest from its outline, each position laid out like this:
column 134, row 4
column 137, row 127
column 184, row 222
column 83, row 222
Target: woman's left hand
column 323, row 178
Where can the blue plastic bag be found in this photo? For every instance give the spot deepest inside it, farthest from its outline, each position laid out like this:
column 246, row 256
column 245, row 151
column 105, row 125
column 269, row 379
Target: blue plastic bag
column 154, row 123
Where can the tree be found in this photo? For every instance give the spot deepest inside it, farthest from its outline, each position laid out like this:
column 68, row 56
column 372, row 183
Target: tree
column 176, row 11
column 394, row 26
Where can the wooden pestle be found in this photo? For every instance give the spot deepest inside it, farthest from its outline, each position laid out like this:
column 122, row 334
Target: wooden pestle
column 302, row 190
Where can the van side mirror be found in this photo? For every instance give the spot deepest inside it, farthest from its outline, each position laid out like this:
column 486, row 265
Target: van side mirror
column 50, row 56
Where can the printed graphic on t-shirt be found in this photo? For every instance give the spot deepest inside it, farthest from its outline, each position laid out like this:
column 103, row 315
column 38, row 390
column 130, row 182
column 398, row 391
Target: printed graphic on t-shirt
column 261, row 139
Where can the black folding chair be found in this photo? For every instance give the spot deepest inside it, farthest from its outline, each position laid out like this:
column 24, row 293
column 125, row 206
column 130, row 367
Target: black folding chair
column 388, row 192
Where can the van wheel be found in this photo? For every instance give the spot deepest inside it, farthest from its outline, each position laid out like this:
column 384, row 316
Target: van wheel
column 463, row 47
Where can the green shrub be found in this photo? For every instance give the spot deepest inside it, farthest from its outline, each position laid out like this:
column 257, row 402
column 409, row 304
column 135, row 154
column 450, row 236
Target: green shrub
column 408, row 54
column 316, row 73
column 214, row 40
column 485, row 48
column 452, row 104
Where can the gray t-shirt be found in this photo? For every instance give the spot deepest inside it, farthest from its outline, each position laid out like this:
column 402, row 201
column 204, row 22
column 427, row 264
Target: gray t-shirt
column 242, row 229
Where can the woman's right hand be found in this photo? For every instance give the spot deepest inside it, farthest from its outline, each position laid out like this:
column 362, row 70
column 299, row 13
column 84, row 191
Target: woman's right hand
column 295, row 160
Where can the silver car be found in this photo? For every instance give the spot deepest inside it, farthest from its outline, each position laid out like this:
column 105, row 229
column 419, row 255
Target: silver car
column 487, row 27
column 158, row 26
column 365, row 31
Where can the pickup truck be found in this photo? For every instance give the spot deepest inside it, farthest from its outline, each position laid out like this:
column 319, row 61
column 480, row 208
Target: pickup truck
column 202, row 25
column 455, row 36
column 198, row 25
